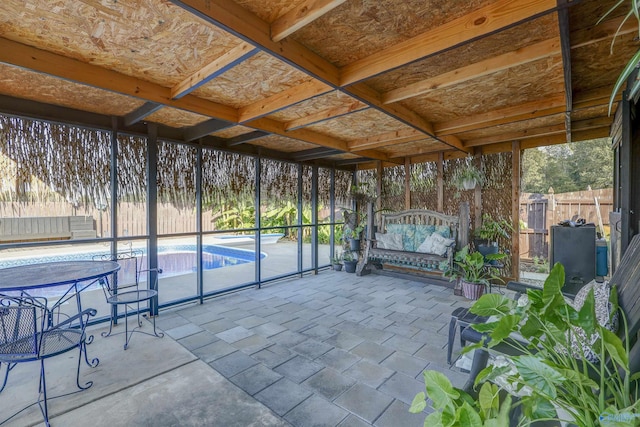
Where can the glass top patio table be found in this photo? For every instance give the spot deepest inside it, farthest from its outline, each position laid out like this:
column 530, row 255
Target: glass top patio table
column 50, row 274
column 70, row 277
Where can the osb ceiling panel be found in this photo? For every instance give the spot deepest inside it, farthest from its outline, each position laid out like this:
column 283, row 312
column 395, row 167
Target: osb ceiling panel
column 362, row 27
column 255, row 79
column 25, row 84
column 317, row 104
column 587, row 13
column 591, row 112
column 509, row 40
column 269, row 10
column 595, row 66
column 281, row 143
column 359, row 125
column 176, row 118
column 232, row 131
column 520, row 126
column 153, row 40
column 515, row 86
column 414, row 148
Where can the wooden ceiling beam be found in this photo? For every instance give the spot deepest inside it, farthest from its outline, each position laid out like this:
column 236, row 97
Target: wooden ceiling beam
column 284, row 99
column 141, row 113
column 526, row 111
column 29, row 57
column 328, row 114
column 565, row 34
column 386, row 139
column 505, row 61
column 517, row 135
column 604, row 31
column 232, row 17
column 578, row 136
column 301, row 15
column 212, row 70
column 496, row 16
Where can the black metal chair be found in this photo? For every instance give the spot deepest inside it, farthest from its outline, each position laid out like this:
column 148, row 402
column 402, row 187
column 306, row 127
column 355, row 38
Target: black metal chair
column 30, row 332
column 124, row 290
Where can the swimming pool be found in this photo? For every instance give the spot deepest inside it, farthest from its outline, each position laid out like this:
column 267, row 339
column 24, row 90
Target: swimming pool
column 174, row 260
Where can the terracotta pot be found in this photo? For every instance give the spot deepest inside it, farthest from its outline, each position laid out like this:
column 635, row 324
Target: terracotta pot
column 472, row 291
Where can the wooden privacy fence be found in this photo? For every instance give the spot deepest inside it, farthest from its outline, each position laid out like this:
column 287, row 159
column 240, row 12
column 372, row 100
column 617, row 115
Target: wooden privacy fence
column 538, row 212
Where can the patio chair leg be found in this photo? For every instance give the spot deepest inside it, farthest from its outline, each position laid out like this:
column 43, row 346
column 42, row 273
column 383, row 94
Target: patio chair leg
column 96, row 361
column 452, row 334
column 111, row 322
column 42, row 390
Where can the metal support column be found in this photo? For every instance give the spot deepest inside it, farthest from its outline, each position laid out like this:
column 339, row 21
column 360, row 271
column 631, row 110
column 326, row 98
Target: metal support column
column 152, row 212
column 314, row 219
column 199, row 272
column 258, row 271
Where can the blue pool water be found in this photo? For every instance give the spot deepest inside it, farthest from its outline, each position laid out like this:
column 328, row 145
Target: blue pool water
column 174, row 260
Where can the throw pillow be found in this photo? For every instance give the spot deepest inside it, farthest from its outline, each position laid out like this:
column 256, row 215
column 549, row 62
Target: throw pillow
column 391, row 241
column 407, row 231
column 422, row 232
column 435, row 244
column 444, row 231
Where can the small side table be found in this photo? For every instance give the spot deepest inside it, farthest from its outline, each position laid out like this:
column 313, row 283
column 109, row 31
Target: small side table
column 460, row 318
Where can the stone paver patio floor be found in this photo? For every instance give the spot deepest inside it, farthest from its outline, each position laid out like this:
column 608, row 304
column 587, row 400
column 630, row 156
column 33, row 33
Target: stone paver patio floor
column 327, row 350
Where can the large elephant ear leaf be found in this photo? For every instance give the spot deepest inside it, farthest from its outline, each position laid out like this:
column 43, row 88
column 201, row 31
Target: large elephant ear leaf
column 439, row 389
column 553, row 284
column 492, row 304
column 541, row 377
column 615, row 348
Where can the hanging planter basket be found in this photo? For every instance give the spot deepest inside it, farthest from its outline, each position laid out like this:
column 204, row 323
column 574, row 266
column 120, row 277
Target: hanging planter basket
column 469, row 184
column 472, row 291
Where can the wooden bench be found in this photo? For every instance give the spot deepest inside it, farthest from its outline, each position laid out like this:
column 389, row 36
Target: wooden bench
column 414, row 226
column 34, row 229
column 626, row 278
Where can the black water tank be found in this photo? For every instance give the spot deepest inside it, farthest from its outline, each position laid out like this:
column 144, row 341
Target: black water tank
column 575, row 249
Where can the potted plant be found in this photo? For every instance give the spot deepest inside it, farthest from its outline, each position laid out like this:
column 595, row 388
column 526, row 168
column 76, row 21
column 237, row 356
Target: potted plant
column 472, row 272
column 467, row 176
column 336, row 262
column 488, row 234
column 363, row 192
column 350, row 262
column 354, row 224
column 550, row 376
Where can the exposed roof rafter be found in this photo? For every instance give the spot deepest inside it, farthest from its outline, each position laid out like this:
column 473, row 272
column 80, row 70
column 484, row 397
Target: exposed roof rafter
column 301, row 15
column 473, row 71
column 222, row 64
column 481, row 22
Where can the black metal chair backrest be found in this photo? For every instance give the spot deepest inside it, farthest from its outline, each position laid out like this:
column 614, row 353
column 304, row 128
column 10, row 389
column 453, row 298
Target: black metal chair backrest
column 130, row 269
column 18, row 330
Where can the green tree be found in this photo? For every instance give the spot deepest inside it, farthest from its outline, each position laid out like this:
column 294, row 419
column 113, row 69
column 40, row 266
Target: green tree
column 568, row 167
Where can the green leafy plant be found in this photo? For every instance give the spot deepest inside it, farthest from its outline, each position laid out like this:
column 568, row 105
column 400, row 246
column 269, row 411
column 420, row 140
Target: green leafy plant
column 492, row 230
column 471, row 267
column 363, row 191
column 454, row 407
column 467, row 176
column 337, row 258
column 547, row 369
column 348, row 256
column 633, row 12
column 551, row 383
